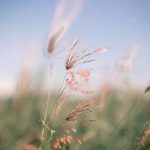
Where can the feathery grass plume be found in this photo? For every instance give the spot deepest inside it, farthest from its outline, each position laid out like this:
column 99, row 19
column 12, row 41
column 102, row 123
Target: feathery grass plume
column 51, row 47
column 65, row 140
column 72, row 59
column 75, row 58
column 62, row 19
column 54, row 38
column 75, row 82
column 81, row 108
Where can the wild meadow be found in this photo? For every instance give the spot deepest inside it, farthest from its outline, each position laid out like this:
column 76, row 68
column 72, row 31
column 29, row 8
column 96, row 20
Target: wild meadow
column 101, row 129
column 108, row 118
column 76, row 101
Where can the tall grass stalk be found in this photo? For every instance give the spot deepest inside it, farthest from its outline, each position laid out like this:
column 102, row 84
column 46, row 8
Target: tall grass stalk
column 44, row 126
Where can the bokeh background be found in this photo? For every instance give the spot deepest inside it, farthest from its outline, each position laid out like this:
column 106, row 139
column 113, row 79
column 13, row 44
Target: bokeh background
column 119, row 77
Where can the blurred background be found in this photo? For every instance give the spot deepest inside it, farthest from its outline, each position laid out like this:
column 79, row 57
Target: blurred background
column 119, row 77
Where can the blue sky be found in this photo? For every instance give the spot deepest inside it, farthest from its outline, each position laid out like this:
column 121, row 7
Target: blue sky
column 115, row 23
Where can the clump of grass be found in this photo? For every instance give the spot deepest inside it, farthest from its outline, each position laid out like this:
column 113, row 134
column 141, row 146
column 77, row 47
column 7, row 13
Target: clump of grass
column 74, row 58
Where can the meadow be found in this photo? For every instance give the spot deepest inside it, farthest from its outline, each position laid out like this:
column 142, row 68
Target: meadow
column 64, row 94
column 111, row 127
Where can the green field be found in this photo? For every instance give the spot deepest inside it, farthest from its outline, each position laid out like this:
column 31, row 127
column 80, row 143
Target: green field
column 118, row 125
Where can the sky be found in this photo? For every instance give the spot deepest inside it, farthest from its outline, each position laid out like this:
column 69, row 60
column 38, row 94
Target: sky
column 118, row 24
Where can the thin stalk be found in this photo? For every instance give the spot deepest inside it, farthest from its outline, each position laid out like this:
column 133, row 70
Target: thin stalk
column 47, row 102
column 61, row 90
column 60, row 93
column 62, row 83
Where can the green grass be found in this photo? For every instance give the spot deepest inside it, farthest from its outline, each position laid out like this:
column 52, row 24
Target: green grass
column 21, row 124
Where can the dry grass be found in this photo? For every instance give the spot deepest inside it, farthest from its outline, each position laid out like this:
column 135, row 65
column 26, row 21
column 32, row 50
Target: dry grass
column 74, row 58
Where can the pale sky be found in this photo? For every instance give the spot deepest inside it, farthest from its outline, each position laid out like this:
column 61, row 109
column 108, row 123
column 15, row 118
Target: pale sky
column 119, row 24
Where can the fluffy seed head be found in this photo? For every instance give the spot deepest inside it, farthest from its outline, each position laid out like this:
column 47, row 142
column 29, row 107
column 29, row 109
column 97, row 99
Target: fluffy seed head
column 53, row 39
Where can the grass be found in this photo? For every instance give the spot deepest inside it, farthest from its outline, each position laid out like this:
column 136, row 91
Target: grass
column 20, row 125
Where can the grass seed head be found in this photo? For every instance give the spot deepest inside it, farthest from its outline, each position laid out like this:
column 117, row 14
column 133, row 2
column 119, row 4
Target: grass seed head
column 81, row 108
column 75, row 58
column 53, row 39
